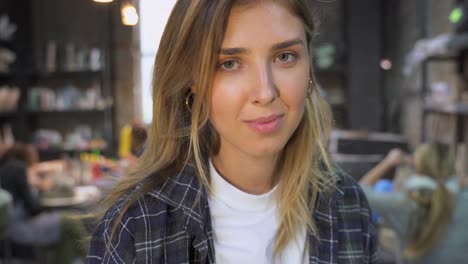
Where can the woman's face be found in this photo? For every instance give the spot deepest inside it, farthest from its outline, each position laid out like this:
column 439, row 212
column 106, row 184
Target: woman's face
column 260, row 86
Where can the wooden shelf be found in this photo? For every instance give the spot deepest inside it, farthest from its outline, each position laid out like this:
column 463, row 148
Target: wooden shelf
column 4, row 76
column 29, row 70
column 7, row 114
column 457, row 48
column 58, row 152
column 68, row 111
column 61, row 149
column 447, row 109
column 67, row 74
column 6, row 43
column 442, row 57
column 457, row 44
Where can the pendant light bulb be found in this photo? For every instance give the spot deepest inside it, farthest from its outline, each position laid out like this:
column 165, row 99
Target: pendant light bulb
column 103, row 1
column 129, row 15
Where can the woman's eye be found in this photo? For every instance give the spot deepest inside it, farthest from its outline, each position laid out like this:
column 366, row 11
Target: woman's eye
column 229, row 65
column 285, row 57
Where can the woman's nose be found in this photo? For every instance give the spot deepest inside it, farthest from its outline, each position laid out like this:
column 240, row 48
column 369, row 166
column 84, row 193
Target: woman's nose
column 264, row 90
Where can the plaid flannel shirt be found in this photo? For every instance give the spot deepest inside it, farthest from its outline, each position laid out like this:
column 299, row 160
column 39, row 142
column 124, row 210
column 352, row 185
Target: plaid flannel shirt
column 167, row 226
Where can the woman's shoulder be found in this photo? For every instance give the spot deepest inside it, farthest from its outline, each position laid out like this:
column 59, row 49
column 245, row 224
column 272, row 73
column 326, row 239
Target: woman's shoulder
column 346, row 198
column 343, row 208
column 347, row 189
column 128, row 215
column 180, row 189
column 140, row 217
column 178, row 195
column 349, row 199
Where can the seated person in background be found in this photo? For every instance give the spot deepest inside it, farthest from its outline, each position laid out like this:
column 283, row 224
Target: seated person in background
column 427, row 216
column 31, row 226
column 132, row 142
column 139, row 136
column 30, row 157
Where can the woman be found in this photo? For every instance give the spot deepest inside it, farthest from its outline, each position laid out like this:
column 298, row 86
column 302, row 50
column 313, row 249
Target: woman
column 429, row 212
column 235, row 169
column 51, row 231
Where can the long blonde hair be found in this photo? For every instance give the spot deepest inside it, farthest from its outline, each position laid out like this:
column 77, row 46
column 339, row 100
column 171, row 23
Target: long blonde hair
column 187, row 58
column 435, row 207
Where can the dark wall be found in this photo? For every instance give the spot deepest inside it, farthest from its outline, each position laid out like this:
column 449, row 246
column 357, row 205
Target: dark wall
column 20, row 13
column 364, row 28
column 332, row 80
column 403, row 27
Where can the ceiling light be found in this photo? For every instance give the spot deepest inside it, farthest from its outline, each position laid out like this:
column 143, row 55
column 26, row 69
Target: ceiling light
column 129, row 15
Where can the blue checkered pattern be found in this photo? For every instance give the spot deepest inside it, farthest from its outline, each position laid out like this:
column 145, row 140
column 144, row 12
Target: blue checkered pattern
column 167, row 226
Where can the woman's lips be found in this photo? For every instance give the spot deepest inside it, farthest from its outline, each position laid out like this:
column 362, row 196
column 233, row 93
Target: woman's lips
column 265, row 125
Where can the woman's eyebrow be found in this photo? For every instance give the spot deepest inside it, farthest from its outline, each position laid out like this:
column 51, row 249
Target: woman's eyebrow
column 287, row 44
column 277, row 46
column 233, row 51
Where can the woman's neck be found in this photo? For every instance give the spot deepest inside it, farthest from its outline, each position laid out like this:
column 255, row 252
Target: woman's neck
column 249, row 174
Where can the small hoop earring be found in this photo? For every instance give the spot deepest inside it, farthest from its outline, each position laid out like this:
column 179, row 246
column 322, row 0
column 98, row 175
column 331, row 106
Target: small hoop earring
column 310, row 87
column 187, row 102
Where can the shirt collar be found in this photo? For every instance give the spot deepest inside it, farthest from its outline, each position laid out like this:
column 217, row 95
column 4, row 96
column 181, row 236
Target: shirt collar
column 184, row 192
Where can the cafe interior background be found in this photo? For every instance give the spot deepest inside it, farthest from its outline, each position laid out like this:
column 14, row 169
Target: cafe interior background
column 75, row 81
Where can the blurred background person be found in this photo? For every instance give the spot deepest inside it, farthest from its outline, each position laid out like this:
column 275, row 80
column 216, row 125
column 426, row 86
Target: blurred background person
column 429, row 211
column 28, row 154
column 52, row 232
column 139, row 137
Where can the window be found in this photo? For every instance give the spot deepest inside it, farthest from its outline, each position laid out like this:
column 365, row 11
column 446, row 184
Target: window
column 153, row 18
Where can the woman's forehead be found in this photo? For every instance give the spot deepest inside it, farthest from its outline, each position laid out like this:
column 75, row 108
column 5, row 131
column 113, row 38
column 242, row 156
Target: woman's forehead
column 265, row 21
column 251, row 2
column 246, row 4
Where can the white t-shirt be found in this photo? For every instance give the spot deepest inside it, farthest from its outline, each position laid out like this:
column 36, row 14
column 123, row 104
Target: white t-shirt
column 245, row 225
